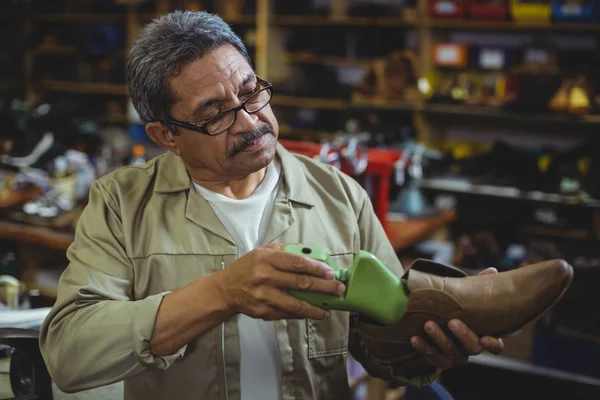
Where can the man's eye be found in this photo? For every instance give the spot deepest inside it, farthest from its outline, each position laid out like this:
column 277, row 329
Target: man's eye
column 248, row 94
column 204, row 120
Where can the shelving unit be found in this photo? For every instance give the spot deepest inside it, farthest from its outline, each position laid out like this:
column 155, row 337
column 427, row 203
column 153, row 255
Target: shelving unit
column 79, row 18
column 416, row 20
column 313, row 20
column 309, row 102
column 460, row 187
column 55, row 50
column 424, row 28
column 443, row 110
column 326, row 60
column 434, row 122
column 507, row 25
column 86, row 87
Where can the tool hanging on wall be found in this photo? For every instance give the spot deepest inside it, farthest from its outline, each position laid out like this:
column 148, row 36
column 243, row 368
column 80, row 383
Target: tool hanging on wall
column 330, row 153
column 411, row 201
column 356, row 155
column 347, row 152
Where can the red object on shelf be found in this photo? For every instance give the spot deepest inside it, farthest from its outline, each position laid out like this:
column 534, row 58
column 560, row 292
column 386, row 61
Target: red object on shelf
column 485, row 10
column 380, row 167
column 447, row 8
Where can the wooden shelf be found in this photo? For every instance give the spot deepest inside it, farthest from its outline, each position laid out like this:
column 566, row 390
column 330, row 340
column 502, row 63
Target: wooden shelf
column 86, row 87
column 319, row 20
column 55, row 49
column 286, row 130
column 530, row 368
column 496, row 114
column 506, row 25
column 576, row 234
column 121, row 119
column 308, row 58
column 310, row 102
column 456, row 186
column 238, row 20
column 339, row 104
column 79, row 17
column 241, row 20
column 406, row 232
column 442, row 110
column 384, row 104
column 49, row 292
column 61, row 50
column 10, row 17
column 37, row 235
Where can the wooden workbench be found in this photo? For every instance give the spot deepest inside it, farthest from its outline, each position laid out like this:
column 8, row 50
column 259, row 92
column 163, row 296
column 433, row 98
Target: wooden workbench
column 35, row 235
column 41, row 254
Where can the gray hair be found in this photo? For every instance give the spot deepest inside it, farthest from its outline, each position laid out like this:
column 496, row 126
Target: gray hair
column 163, row 49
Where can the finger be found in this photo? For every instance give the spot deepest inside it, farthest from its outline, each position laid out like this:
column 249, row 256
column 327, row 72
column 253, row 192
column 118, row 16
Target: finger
column 467, row 337
column 489, row 271
column 276, row 246
column 294, row 307
column 433, row 357
column 269, row 313
column 308, row 283
column 277, row 315
column 440, row 339
column 422, row 346
column 493, row 345
column 289, row 262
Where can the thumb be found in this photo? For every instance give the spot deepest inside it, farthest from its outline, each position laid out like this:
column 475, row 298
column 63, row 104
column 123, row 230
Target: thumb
column 489, row 271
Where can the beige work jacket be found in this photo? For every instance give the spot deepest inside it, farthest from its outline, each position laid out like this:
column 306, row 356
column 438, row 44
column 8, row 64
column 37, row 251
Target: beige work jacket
column 146, row 232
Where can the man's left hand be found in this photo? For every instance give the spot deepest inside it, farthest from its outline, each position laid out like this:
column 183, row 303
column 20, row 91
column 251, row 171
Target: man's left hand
column 446, row 354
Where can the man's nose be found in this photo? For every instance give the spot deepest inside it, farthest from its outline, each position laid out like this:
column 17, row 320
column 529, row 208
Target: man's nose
column 244, row 123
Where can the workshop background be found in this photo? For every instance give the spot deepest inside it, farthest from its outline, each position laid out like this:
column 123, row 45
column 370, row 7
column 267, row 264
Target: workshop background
column 473, row 124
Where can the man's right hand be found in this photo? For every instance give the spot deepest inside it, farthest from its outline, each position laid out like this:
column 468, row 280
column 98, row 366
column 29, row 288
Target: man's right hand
column 258, row 284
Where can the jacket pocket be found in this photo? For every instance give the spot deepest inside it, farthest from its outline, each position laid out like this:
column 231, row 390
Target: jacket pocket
column 330, row 337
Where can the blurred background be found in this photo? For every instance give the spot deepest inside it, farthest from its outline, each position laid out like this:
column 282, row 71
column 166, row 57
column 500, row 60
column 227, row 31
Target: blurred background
column 473, row 124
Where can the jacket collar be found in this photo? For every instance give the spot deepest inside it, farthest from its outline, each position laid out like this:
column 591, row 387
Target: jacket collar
column 172, row 176
column 294, row 178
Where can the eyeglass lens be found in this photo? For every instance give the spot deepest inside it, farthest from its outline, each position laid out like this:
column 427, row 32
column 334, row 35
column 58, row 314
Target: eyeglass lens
column 254, row 104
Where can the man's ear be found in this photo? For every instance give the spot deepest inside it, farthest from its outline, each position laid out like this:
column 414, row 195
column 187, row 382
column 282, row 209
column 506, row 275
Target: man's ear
column 162, row 136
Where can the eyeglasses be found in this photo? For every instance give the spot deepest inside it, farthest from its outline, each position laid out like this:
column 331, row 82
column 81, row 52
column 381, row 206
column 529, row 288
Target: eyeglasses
column 223, row 121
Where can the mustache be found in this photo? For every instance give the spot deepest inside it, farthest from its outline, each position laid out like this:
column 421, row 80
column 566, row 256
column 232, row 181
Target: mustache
column 247, row 139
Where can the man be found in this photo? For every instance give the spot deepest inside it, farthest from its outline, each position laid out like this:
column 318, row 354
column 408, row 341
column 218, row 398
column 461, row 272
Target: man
column 178, row 283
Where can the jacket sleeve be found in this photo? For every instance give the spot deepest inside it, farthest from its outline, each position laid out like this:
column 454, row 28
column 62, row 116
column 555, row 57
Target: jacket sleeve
column 96, row 334
column 374, row 240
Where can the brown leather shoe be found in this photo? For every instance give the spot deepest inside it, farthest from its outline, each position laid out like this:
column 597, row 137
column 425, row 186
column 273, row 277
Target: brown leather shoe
column 490, row 305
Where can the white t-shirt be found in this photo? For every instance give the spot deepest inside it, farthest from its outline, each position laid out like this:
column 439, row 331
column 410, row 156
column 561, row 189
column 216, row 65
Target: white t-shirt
column 246, row 221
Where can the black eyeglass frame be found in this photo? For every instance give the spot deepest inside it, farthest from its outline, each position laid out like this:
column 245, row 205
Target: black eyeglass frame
column 204, row 127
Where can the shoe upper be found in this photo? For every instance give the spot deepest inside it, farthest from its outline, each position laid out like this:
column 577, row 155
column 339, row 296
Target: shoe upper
column 493, row 305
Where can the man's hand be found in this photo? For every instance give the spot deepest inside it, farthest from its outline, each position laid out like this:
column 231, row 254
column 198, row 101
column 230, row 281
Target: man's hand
column 446, row 354
column 257, row 284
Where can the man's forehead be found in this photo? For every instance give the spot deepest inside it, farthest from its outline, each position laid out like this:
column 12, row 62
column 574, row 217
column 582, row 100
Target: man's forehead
column 221, row 66
column 206, row 81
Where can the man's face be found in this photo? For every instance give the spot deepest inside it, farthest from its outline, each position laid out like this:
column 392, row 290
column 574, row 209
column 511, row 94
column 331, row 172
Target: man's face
column 217, row 82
